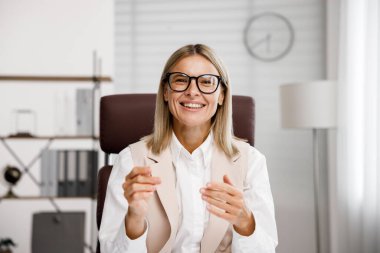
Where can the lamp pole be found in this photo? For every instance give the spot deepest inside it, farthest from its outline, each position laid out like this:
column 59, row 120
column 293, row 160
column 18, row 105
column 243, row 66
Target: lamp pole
column 316, row 188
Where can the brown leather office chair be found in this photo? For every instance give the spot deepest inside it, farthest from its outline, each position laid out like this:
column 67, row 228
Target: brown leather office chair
column 125, row 118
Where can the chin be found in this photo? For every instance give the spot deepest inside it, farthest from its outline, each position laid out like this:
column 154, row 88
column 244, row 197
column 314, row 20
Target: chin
column 195, row 123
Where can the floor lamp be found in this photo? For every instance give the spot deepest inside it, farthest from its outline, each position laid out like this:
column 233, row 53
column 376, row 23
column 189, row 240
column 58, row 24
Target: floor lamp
column 310, row 105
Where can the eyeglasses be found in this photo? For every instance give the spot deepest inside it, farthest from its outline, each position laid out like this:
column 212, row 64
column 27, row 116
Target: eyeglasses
column 206, row 83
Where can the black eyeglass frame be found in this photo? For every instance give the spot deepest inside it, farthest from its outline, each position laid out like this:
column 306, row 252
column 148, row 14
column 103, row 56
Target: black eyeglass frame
column 167, row 78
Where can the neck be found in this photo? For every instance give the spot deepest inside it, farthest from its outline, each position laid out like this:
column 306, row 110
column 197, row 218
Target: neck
column 191, row 138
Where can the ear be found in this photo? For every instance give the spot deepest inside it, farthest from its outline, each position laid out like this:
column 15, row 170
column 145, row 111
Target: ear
column 221, row 97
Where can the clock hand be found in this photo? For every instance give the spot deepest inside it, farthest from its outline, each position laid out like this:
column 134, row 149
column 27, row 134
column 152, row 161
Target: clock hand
column 266, row 40
column 269, row 38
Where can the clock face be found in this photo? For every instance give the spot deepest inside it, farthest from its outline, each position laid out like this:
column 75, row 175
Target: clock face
column 269, row 36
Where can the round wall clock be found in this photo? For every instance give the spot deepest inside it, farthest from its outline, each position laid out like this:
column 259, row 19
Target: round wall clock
column 268, row 36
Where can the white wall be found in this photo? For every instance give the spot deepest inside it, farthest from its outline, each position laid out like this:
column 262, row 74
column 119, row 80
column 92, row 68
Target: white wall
column 47, row 38
column 147, row 32
column 44, row 37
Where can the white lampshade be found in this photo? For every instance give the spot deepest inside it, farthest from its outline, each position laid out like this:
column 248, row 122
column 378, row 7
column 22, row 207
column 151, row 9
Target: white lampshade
column 308, row 105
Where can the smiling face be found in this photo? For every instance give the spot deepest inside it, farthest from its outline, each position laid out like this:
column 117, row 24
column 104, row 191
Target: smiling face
column 191, row 108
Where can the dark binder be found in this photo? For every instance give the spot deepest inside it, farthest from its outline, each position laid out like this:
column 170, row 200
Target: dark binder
column 90, row 188
column 77, row 173
column 93, row 172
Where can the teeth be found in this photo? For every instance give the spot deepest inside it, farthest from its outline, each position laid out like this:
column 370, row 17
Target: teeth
column 193, row 105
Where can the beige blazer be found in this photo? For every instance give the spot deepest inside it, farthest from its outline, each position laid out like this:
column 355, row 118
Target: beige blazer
column 163, row 216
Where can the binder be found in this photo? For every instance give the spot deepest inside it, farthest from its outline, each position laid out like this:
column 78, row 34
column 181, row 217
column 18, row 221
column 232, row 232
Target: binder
column 44, row 173
column 69, row 173
column 82, row 173
column 93, row 172
column 61, row 173
column 71, row 179
column 84, row 109
column 89, row 185
column 52, row 173
column 77, row 168
column 49, row 173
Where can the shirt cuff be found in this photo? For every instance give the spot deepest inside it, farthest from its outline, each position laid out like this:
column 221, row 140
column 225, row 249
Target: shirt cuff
column 239, row 236
column 124, row 243
column 256, row 242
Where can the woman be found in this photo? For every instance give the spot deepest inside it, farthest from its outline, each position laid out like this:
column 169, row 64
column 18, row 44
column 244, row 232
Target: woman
column 190, row 186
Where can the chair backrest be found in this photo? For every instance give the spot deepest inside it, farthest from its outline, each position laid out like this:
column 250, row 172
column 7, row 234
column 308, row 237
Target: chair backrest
column 125, row 118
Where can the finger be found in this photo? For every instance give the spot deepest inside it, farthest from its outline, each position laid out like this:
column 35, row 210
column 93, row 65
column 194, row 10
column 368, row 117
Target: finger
column 215, row 186
column 221, row 214
column 222, row 196
column 140, row 179
column 141, row 196
column 143, row 179
column 141, row 175
column 223, row 206
column 133, row 188
column 227, row 180
column 138, row 171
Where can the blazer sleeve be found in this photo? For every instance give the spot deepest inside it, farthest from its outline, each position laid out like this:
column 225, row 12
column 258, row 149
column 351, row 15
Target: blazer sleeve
column 258, row 197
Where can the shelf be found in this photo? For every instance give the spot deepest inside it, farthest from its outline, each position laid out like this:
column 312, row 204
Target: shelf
column 55, row 137
column 45, row 198
column 57, row 78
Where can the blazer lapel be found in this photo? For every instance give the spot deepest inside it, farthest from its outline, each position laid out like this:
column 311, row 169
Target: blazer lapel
column 162, row 167
column 221, row 165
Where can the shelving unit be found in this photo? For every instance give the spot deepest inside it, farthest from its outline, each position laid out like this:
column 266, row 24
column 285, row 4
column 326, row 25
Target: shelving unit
column 96, row 80
column 50, row 137
column 30, row 204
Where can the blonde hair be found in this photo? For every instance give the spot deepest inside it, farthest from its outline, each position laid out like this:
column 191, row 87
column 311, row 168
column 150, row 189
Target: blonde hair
column 221, row 121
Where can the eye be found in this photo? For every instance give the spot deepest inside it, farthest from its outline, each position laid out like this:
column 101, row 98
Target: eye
column 179, row 79
column 208, row 80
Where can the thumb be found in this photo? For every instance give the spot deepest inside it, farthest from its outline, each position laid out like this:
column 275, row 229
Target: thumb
column 227, row 180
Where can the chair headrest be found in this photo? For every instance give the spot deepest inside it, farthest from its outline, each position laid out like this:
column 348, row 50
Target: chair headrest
column 243, row 116
column 124, row 119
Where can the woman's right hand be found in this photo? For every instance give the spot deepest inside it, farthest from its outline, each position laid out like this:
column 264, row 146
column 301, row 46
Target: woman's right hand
column 139, row 186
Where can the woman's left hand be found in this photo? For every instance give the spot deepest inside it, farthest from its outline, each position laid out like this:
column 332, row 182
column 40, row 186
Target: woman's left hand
column 227, row 202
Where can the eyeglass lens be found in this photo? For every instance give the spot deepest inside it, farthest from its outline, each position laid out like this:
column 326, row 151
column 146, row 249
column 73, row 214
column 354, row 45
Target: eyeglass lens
column 206, row 83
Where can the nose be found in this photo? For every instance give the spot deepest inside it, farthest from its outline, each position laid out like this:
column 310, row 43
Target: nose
column 192, row 89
